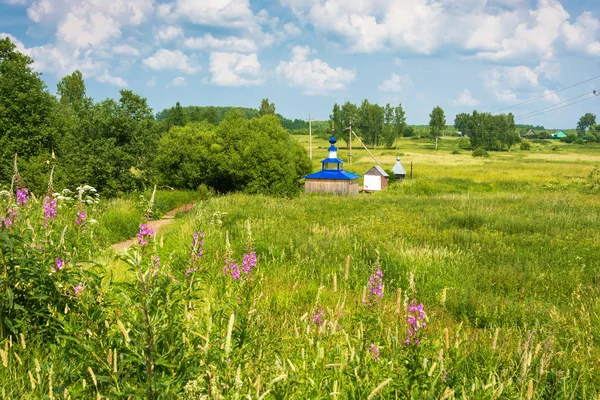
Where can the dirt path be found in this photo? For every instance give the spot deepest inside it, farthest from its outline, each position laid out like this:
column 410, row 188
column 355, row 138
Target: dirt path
column 156, row 225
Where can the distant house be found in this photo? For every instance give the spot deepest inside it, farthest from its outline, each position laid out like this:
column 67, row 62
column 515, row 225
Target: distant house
column 558, row 135
column 376, row 179
column 530, row 133
column 399, row 170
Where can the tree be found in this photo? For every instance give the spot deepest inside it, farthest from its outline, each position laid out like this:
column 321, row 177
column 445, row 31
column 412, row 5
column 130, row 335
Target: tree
column 370, row 122
column 585, row 122
column 255, row 156
column 211, row 115
column 177, row 116
column 71, row 91
column 336, row 119
column 26, row 110
column 266, row 108
column 460, row 122
column 399, row 122
column 349, row 117
column 389, row 129
column 437, row 123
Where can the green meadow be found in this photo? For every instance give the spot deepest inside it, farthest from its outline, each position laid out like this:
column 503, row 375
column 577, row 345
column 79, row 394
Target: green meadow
column 503, row 253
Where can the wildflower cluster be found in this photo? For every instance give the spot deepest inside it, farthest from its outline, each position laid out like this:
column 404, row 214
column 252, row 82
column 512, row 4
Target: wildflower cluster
column 80, row 217
column 49, row 208
column 233, row 269
column 249, row 262
column 374, row 288
column 59, row 265
column 22, row 196
column 196, row 252
column 144, row 234
column 317, row 319
column 415, row 318
column 9, row 218
column 78, row 290
column 374, row 350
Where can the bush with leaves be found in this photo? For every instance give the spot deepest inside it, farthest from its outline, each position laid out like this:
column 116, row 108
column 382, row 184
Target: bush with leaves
column 480, row 152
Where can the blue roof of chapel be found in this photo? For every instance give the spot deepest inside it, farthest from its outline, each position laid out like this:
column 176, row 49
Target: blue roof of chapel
column 333, row 174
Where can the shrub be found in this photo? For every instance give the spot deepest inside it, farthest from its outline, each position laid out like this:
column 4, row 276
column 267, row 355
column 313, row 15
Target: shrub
column 464, row 143
column 455, row 151
column 525, row 145
column 479, row 152
column 579, row 141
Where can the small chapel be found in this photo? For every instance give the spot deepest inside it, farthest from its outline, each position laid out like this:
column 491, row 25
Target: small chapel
column 332, row 178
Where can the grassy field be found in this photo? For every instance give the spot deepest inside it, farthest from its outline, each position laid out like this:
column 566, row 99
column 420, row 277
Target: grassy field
column 503, row 253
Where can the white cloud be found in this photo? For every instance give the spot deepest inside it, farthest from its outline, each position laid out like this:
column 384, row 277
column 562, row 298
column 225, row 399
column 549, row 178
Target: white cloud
column 291, row 30
column 395, row 84
column 465, row 98
column 168, row 33
column 551, row 97
column 151, row 83
column 177, row 82
column 228, row 13
column 106, row 77
column 125, row 50
column 235, row 69
column 92, row 22
column 170, row 59
column 228, row 44
column 316, row 77
column 496, row 30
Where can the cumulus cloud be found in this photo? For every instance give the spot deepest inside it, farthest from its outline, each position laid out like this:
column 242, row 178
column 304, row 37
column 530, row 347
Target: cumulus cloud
column 395, row 84
column 228, row 13
column 177, row 82
column 316, row 77
column 465, row 98
column 171, row 59
column 106, row 77
column 228, row 44
column 125, row 50
column 235, row 69
column 15, row 2
column 496, row 30
column 167, row 33
column 506, row 81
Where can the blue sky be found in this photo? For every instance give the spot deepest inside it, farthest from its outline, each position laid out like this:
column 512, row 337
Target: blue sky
column 305, row 55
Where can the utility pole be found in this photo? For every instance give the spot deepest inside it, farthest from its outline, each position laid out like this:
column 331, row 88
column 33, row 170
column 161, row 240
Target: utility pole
column 310, row 136
column 349, row 129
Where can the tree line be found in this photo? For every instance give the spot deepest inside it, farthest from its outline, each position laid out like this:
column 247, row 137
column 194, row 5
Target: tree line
column 118, row 146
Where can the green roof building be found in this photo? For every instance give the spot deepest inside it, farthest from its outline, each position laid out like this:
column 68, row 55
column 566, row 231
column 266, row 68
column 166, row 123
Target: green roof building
column 558, row 135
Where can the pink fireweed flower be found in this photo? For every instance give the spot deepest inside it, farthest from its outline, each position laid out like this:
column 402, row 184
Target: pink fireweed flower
column 80, row 218
column 22, row 197
column 49, row 208
column 374, row 350
column 235, row 271
column 197, row 243
column 249, row 262
column 144, row 234
column 415, row 318
column 375, row 288
column 317, row 319
column 60, row 264
column 78, row 290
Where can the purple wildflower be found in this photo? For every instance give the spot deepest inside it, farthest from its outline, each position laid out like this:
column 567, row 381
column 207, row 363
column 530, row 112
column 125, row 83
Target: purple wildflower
column 375, row 288
column 415, row 317
column 197, row 243
column 235, row 271
column 49, row 208
column 22, row 196
column 374, row 350
column 144, row 233
column 80, row 218
column 317, row 319
column 249, row 262
column 60, row 264
column 78, row 290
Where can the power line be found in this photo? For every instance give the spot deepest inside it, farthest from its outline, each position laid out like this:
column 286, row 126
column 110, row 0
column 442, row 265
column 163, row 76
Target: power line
column 547, row 94
column 595, row 94
column 553, row 105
